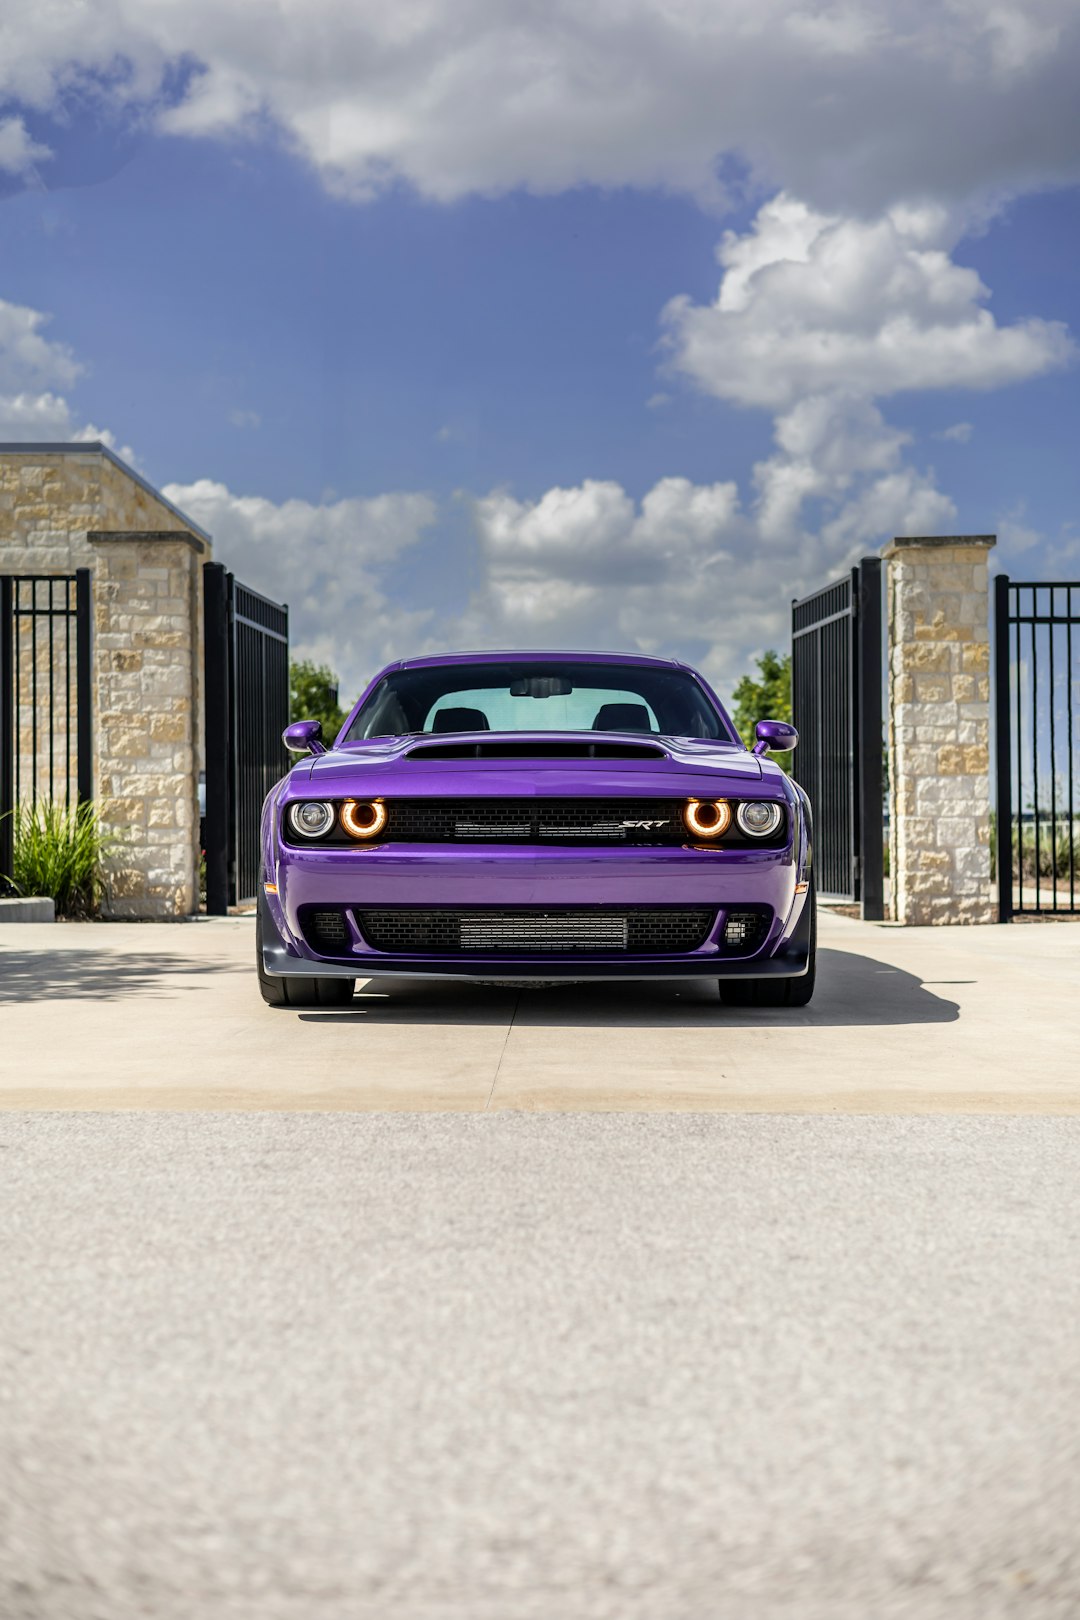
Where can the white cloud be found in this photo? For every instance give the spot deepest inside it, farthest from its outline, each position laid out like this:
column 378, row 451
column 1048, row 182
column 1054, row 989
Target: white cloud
column 811, row 302
column 245, row 419
column 327, row 561
column 32, row 368
column 688, row 571
column 19, row 152
column 853, row 104
column 592, row 534
column 958, row 433
column 27, row 357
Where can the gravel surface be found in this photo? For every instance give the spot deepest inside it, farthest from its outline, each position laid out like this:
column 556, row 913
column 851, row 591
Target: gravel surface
column 538, row 1367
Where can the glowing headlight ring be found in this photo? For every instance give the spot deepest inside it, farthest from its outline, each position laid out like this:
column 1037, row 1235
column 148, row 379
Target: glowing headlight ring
column 776, row 815
column 363, row 818
column 298, row 826
column 707, row 818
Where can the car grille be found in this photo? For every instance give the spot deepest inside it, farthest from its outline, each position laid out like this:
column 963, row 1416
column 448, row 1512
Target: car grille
column 325, row 930
column 536, row 821
column 521, row 931
column 745, row 930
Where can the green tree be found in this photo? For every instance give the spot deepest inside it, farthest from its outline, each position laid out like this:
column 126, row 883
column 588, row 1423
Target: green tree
column 313, row 695
column 766, row 698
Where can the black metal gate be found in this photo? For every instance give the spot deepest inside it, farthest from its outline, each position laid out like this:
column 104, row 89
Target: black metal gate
column 45, row 695
column 1037, row 710
column 247, row 709
column 836, row 675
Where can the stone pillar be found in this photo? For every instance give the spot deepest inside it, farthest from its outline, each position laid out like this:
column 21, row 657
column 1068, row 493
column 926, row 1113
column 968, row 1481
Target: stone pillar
column 147, row 640
column 939, row 729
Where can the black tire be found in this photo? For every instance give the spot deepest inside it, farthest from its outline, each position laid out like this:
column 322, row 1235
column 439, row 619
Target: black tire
column 777, row 992
column 297, row 991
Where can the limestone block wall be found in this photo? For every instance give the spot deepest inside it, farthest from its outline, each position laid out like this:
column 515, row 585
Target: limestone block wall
column 147, row 599
column 64, row 507
column 52, row 497
column 939, row 729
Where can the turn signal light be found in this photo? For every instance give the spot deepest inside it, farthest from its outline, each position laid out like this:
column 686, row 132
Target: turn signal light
column 363, row 819
column 707, row 818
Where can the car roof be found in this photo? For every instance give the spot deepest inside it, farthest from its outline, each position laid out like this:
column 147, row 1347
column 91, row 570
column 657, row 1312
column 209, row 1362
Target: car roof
column 536, row 655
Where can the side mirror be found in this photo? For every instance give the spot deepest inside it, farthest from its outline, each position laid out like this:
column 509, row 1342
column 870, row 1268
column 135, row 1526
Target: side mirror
column 775, row 736
column 304, row 737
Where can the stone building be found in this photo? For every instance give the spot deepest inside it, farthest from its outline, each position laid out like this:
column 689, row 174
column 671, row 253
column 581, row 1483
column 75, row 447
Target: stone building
column 70, row 506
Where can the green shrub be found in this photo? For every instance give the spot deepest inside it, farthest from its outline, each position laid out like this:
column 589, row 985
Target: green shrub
column 59, row 852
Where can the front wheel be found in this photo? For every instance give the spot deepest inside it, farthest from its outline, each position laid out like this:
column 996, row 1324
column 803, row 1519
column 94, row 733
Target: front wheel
column 777, row 992
column 294, row 991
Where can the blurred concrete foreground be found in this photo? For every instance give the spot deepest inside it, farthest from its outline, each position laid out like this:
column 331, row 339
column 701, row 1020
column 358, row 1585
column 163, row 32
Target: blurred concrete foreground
column 600, row 1303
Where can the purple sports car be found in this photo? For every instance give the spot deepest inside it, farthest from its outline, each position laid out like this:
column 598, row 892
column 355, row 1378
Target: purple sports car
column 537, row 816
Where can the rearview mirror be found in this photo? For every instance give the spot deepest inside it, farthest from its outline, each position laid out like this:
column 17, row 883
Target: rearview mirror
column 541, row 686
column 304, row 737
column 775, row 736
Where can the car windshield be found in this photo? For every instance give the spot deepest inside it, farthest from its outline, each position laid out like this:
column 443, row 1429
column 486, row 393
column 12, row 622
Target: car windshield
column 559, row 695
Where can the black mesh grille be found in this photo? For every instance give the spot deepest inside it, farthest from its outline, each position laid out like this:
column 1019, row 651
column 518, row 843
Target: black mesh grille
column 522, row 931
column 744, row 930
column 324, row 930
column 536, row 821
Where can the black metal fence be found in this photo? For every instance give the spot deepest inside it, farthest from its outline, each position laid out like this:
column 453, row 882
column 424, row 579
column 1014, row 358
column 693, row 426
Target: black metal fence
column 1036, row 719
column 836, row 674
column 45, row 695
column 247, row 709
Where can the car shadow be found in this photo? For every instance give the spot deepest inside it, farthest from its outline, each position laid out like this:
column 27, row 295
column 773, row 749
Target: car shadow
column 102, row 976
column 852, row 990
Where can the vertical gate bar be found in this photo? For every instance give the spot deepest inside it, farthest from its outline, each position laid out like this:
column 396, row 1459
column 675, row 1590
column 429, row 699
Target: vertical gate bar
column 871, row 783
column 67, row 691
column 853, row 717
column 1035, row 742
column 1069, row 712
column 217, row 698
column 1003, row 747
column 52, row 697
column 8, row 738
column 33, row 692
column 16, row 734
column 235, row 689
column 1053, row 764
column 1019, row 759
column 84, row 687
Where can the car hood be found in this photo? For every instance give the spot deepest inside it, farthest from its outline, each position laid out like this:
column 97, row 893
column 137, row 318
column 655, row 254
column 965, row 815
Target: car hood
column 488, row 764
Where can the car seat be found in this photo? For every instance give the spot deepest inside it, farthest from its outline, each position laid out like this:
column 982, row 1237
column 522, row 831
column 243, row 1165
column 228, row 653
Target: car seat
column 622, row 717
column 460, row 720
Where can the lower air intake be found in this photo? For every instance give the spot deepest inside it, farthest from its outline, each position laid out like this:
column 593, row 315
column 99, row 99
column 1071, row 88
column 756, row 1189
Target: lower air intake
column 744, row 931
column 522, row 932
column 325, row 931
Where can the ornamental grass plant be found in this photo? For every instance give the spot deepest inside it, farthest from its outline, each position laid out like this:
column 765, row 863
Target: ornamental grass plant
column 59, row 852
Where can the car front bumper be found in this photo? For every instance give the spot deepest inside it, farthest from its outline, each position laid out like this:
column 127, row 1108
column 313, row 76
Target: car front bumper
column 492, row 877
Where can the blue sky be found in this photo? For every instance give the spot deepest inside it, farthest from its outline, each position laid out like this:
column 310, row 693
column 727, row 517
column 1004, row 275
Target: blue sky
column 415, row 362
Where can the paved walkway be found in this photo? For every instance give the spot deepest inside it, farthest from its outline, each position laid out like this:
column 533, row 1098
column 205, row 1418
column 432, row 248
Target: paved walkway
column 615, row 1355
column 906, row 1021
column 538, row 1367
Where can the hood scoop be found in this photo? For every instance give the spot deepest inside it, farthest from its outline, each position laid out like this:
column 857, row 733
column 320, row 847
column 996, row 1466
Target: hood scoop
column 525, row 749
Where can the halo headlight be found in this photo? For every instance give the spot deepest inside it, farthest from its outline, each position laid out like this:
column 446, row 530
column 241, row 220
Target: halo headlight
column 311, row 818
column 758, row 819
column 363, row 818
column 707, row 818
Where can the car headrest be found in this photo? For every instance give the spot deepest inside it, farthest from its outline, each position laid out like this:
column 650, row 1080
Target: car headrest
column 622, row 717
column 460, row 720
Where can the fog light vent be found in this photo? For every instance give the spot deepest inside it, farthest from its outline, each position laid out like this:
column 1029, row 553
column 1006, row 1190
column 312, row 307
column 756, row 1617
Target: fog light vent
column 326, row 930
column 744, row 931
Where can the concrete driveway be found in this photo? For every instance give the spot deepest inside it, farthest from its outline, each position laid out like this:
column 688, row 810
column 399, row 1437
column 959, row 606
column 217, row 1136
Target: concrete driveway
column 118, row 1016
column 507, row 1361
